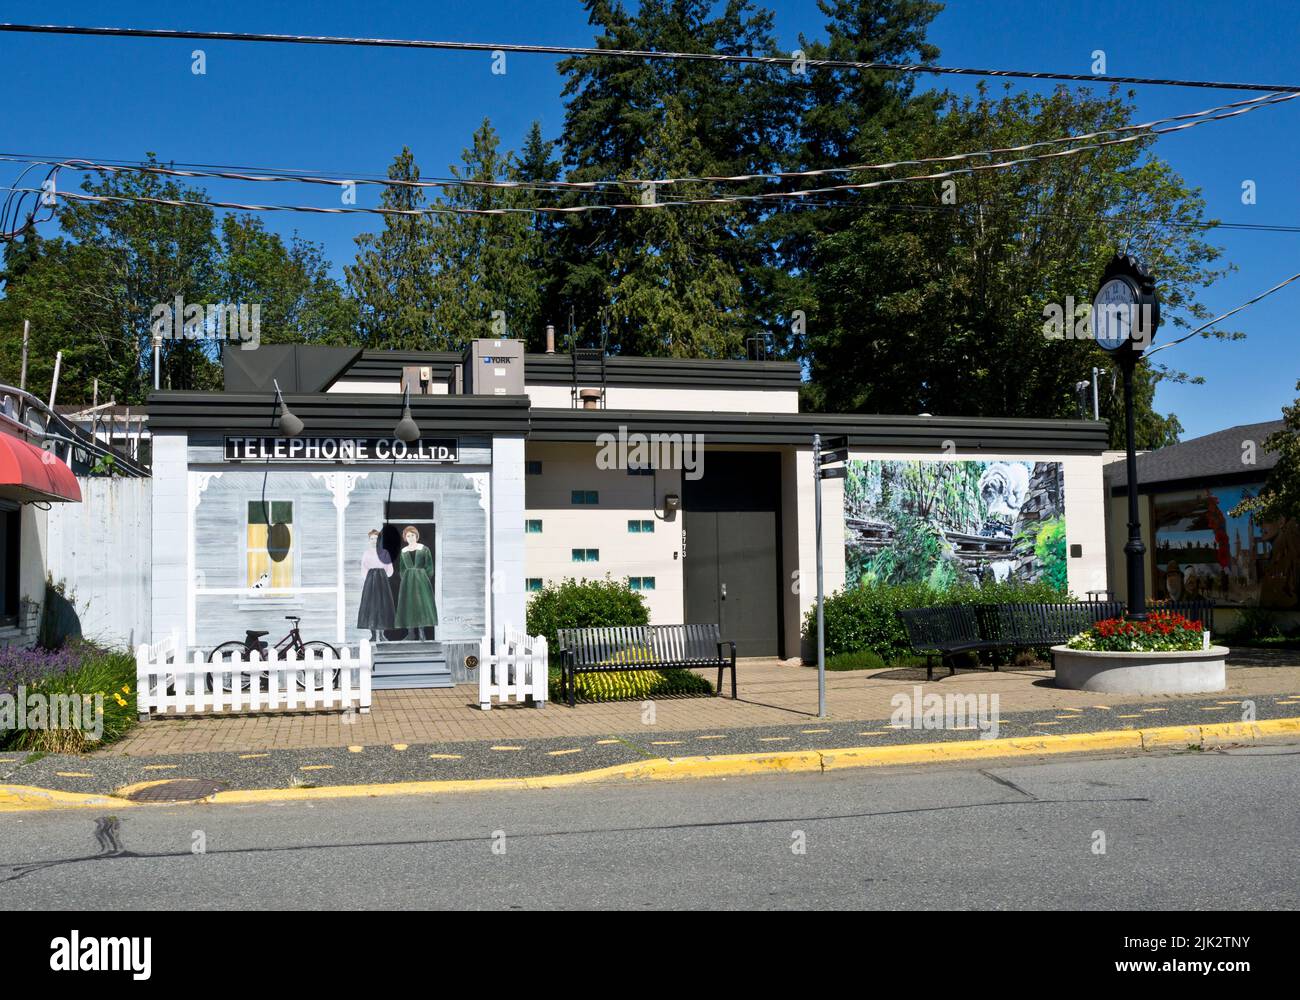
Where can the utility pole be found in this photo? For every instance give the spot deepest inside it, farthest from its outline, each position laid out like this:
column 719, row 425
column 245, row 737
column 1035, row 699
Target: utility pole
column 27, row 330
column 54, row 384
column 825, row 466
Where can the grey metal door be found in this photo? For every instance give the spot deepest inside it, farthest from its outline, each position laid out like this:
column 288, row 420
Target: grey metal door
column 732, row 562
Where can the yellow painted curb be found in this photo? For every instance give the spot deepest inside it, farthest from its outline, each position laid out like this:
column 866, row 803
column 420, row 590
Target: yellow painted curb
column 19, row 798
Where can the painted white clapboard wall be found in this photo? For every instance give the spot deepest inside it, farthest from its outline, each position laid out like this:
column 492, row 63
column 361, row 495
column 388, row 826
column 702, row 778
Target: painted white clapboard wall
column 100, row 549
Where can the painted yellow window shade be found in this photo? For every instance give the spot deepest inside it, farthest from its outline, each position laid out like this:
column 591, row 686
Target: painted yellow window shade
column 270, row 544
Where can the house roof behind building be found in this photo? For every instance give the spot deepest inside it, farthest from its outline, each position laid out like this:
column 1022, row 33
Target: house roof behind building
column 1219, row 457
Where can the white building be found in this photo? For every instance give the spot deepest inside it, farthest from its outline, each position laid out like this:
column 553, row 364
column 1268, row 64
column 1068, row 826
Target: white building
column 530, row 469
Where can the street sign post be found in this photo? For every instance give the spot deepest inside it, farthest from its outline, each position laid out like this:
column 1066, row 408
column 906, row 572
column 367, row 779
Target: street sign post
column 827, row 452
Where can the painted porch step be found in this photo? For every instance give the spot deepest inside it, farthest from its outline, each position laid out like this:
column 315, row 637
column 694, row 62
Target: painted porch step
column 406, row 682
column 419, row 664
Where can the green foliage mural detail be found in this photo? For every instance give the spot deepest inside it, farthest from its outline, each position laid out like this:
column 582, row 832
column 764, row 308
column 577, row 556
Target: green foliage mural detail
column 950, row 523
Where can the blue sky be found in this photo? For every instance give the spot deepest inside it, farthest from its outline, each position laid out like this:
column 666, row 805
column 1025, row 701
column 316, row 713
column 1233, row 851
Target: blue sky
column 350, row 110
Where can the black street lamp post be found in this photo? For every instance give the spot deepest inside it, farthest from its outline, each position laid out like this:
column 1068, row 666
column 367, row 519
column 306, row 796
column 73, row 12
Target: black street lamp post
column 1125, row 316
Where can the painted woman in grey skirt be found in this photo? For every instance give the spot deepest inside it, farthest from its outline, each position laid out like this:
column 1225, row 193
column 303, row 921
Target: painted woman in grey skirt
column 376, row 610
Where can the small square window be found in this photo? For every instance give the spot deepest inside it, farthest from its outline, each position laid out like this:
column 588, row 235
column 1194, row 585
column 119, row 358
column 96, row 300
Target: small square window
column 533, row 527
column 648, row 527
column 593, row 555
column 633, row 583
column 587, row 498
column 579, row 555
column 634, row 527
column 647, row 583
column 533, row 468
column 534, row 583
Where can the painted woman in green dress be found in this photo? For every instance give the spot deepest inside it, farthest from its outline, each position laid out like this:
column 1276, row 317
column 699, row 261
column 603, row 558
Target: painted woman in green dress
column 416, row 610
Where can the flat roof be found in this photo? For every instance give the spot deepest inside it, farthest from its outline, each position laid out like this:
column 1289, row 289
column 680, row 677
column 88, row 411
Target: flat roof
column 357, row 413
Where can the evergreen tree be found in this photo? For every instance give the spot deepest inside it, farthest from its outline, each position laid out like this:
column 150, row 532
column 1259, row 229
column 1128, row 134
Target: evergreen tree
column 392, row 276
column 484, row 284
column 618, row 110
column 937, row 296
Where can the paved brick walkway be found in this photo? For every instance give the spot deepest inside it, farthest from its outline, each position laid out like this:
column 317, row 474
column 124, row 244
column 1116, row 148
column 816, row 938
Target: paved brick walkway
column 771, row 693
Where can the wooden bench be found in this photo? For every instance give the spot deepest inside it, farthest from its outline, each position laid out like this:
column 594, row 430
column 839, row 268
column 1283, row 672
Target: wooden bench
column 643, row 647
column 947, row 631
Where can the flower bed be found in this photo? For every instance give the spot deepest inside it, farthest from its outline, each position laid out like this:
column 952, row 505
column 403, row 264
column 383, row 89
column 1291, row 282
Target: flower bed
column 94, row 677
column 1162, row 632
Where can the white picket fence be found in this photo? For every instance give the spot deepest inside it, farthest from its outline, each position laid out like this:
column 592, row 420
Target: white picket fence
column 168, row 680
column 517, row 669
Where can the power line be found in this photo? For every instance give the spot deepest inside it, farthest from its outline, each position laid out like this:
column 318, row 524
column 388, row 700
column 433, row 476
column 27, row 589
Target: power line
column 732, row 199
column 1231, row 312
column 307, row 177
column 788, row 62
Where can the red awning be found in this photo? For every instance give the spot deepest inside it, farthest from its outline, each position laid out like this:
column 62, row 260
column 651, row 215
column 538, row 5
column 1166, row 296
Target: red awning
column 28, row 473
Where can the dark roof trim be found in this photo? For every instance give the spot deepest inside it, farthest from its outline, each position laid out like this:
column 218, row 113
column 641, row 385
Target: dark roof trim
column 336, row 413
column 967, row 434
column 557, row 369
column 1256, row 475
column 369, row 413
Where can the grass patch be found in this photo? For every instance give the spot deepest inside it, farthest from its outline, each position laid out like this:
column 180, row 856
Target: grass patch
column 863, row 659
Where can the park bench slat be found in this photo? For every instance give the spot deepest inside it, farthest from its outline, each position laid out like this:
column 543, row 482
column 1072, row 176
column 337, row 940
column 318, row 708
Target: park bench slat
column 643, row 647
column 947, row 631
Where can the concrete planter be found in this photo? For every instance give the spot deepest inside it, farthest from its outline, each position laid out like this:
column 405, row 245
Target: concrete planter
column 1181, row 672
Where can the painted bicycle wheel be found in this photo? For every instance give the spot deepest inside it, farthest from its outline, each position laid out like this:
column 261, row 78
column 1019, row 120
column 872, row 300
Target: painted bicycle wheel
column 322, row 676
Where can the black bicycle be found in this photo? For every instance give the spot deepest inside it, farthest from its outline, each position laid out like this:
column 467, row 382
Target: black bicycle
column 311, row 678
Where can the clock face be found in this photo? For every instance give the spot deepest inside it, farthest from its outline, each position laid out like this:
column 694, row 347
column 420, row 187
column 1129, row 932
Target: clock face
column 1113, row 313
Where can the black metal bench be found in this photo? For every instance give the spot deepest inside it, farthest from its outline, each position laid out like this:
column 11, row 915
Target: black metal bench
column 947, row 631
column 643, row 647
column 944, row 631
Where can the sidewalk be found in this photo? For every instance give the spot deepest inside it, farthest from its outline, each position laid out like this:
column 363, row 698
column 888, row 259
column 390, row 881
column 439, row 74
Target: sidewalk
column 771, row 693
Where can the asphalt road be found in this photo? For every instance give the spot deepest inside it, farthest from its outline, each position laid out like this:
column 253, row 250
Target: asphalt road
column 519, row 757
column 1215, row 829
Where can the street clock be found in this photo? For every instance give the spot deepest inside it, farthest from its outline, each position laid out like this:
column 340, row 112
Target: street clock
column 1126, row 309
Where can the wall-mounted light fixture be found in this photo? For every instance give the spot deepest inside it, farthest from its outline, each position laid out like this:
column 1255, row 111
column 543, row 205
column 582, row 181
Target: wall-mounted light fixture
column 289, row 425
column 672, row 504
column 407, row 430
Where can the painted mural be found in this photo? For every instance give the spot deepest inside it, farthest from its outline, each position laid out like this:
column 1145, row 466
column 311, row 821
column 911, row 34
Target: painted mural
column 947, row 523
column 1203, row 552
column 387, row 556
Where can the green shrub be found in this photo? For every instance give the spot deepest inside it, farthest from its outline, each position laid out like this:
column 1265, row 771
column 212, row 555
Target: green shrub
column 863, row 659
column 866, row 618
column 632, row 684
column 584, row 604
column 90, row 671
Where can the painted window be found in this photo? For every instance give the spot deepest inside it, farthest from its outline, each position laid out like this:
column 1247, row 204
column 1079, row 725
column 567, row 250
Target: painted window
column 641, row 582
column 269, row 544
column 586, row 555
column 533, row 468
column 586, row 498
column 637, row 527
column 533, row 527
column 534, row 583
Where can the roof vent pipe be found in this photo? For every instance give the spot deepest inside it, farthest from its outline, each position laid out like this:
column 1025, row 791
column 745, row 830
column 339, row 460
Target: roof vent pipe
column 550, row 339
